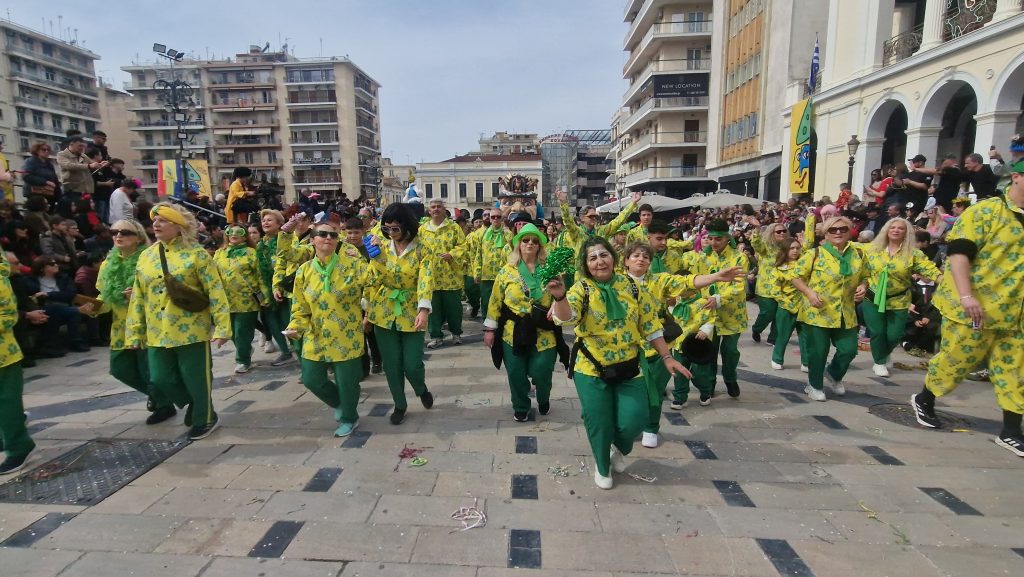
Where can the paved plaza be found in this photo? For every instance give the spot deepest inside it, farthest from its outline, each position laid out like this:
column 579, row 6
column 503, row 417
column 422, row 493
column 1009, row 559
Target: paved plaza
column 769, row 484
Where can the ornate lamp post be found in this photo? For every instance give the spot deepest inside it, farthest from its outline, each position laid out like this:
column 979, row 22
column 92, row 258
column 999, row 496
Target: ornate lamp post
column 178, row 99
column 851, row 147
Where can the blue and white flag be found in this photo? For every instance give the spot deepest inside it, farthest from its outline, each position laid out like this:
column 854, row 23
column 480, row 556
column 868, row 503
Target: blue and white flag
column 815, row 64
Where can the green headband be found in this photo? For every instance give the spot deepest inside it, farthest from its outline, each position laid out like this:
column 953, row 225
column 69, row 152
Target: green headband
column 721, row 233
column 1018, row 167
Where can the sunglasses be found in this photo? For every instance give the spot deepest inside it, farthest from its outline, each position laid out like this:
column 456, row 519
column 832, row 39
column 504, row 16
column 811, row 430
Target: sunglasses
column 497, row 217
column 589, row 216
column 839, row 230
column 326, row 234
column 392, row 229
column 530, row 240
column 122, row 232
column 780, row 231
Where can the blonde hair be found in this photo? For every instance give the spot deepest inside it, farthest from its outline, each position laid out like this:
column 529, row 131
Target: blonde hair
column 768, row 235
column 907, row 247
column 274, row 213
column 514, row 255
column 140, row 231
column 833, row 221
column 187, row 231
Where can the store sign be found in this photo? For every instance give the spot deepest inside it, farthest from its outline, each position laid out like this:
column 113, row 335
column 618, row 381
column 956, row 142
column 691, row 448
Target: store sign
column 681, row 85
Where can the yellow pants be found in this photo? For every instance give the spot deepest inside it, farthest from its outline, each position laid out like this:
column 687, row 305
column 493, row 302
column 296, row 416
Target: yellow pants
column 964, row 348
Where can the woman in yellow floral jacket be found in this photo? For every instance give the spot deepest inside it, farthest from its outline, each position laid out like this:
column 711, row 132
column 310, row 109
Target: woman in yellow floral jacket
column 326, row 314
column 14, row 438
column 240, row 273
column 177, row 340
column 613, row 317
column 293, row 249
column 400, row 305
column 114, row 282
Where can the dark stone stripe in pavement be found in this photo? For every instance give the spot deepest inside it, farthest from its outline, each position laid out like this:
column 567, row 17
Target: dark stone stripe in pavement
column 524, row 549
column 276, row 539
column 323, row 480
column 526, row 445
column 950, row 501
column 793, row 398
column 237, row 407
column 380, row 410
column 884, row 381
column 80, row 363
column 733, row 494
column 35, row 378
column 39, row 427
column 273, row 385
column 675, row 418
column 785, row 559
column 775, row 382
column 84, row 405
column 36, row 531
column 524, row 486
column 356, row 440
column 831, row 422
column 1019, row 551
column 881, row 455
column 701, row 450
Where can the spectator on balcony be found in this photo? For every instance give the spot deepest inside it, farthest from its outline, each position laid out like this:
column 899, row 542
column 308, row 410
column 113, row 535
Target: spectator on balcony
column 239, row 204
column 40, row 174
column 121, row 207
column 75, row 174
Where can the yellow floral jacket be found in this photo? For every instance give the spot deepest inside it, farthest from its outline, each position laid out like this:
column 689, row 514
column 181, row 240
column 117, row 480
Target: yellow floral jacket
column 731, row 313
column 674, row 256
column 400, row 285
column 700, row 319
column 330, row 323
column 997, row 271
column 662, row 287
column 118, row 313
column 900, row 269
column 820, row 271
column 10, row 352
column 446, row 238
column 611, row 341
column 291, row 252
column 154, row 321
column 768, row 284
column 510, row 289
column 485, row 259
column 577, row 235
column 241, row 278
column 785, row 293
column 636, row 234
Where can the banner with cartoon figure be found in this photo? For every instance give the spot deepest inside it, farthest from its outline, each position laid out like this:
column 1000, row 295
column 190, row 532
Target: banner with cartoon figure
column 800, row 145
column 170, row 178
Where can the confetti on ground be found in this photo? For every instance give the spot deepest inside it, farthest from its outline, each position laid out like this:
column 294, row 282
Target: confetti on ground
column 961, row 430
column 559, row 471
column 471, row 518
column 483, row 402
column 644, row 478
column 417, row 462
column 409, row 453
column 768, row 416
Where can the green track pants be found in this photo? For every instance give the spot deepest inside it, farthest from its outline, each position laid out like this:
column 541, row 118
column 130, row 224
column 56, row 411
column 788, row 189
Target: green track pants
column 612, row 415
column 402, row 356
column 184, row 375
column 536, row 367
column 344, row 394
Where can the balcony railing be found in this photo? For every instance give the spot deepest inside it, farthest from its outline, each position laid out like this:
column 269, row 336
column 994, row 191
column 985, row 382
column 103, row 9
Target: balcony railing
column 688, row 138
column 665, row 172
column 264, row 142
column 966, row 17
column 168, row 144
column 695, row 27
column 81, row 109
column 678, row 102
column 903, row 45
column 169, row 124
column 310, row 141
column 87, row 70
column 62, row 85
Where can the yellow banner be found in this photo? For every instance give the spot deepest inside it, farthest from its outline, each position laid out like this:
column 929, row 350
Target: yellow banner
column 170, row 179
column 800, row 145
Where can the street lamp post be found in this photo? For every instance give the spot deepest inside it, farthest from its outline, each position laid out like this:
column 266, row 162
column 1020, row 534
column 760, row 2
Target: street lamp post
column 177, row 96
column 851, row 147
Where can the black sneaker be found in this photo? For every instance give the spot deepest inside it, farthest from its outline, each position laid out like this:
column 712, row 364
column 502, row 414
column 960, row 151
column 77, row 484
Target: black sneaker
column 282, row 360
column 28, row 363
column 705, row 399
column 427, row 399
column 78, row 347
column 161, row 415
column 397, row 416
column 202, row 431
column 12, row 465
column 756, row 336
column 188, row 415
column 544, row 408
column 925, row 413
column 1012, row 443
column 733, row 389
column 520, row 416
column 771, row 341
column 376, row 369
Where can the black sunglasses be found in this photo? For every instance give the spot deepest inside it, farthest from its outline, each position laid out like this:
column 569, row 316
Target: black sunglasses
column 326, row 234
column 839, row 230
column 120, row 232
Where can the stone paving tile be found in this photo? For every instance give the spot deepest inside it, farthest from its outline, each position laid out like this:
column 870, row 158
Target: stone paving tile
column 218, row 537
column 406, row 481
column 438, row 461
column 203, row 476
column 35, row 562
column 136, row 565
column 530, row 514
column 478, row 547
column 357, row 569
column 282, row 454
column 605, row 552
column 353, row 542
column 485, row 485
column 214, row 503
column 353, row 459
column 800, row 496
column 273, row 478
column 133, row 499
column 12, row 521
column 123, row 533
column 330, row 506
column 772, row 523
column 666, row 520
column 973, row 561
column 712, row 555
column 224, row 567
column 421, row 510
column 516, row 572
column 685, row 492
column 843, row 559
column 896, row 528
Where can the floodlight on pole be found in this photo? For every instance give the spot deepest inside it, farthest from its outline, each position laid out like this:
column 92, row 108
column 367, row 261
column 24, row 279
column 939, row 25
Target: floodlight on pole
column 160, row 48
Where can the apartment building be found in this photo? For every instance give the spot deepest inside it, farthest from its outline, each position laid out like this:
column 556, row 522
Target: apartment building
column 470, row 181
column 663, row 135
column 117, row 125
column 307, row 124
column 575, row 161
column 47, row 86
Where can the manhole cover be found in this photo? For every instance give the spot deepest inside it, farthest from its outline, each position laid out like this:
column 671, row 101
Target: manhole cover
column 903, row 414
column 89, row 473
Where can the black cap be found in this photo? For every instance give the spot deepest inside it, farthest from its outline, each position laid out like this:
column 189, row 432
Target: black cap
column 918, row 158
column 872, row 208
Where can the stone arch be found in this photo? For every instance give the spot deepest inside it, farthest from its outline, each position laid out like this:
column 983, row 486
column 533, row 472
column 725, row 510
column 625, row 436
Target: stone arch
column 934, row 103
column 878, row 116
column 1008, row 90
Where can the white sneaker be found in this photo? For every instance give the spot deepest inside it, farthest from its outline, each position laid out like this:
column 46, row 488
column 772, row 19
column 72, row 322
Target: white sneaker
column 434, row 343
column 803, row 368
column 269, row 347
column 776, row 366
column 603, row 482
column 456, row 339
column 880, row 370
column 618, row 465
column 241, row 368
column 837, row 387
column 649, row 440
column 261, row 339
column 815, row 394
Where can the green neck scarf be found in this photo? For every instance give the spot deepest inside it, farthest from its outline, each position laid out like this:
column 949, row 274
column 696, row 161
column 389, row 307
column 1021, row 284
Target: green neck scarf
column 532, row 283
column 845, row 266
column 613, row 306
column 118, row 275
column 398, row 298
column 494, row 236
column 235, row 251
column 325, row 271
column 265, row 252
column 882, row 288
column 682, row 308
column 658, row 263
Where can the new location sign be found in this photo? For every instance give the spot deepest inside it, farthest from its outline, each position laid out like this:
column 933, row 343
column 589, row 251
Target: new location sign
column 677, row 85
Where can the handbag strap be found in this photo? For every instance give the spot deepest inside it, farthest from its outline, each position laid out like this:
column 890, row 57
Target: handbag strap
column 163, row 261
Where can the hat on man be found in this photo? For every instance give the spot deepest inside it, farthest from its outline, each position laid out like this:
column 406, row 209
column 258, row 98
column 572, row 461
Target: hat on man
column 918, row 158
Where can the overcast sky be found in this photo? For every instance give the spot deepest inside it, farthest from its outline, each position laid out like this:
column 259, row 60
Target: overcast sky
column 450, row 69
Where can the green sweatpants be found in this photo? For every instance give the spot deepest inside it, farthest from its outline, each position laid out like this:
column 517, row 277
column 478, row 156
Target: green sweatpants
column 681, row 383
column 445, row 306
column 486, row 286
column 472, row 292
column 535, row 366
column 818, row 341
column 14, row 436
column 705, row 376
column 131, row 367
column 278, row 315
column 344, row 394
column 886, row 329
column 765, row 316
column 612, row 415
column 786, row 322
column 185, row 375
column 402, row 356
column 656, row 377
column 243, row 328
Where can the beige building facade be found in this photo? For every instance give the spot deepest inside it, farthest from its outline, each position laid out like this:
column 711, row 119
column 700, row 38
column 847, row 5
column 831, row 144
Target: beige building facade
column 117, row 125
column 927, row 77
column 471, row 181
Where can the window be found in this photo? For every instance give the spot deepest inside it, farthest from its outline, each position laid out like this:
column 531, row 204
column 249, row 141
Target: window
column 272, row 156
column 247, row 158
column 444, row 190
column 462, row 190
column 430, row 190
column 57, row 122
column 51, row 75
column 47, row 49
column 37, row 119
column 494, row 190
column 479, row 192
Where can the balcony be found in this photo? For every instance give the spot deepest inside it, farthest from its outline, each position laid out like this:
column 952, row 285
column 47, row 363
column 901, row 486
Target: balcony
column 268, row 143
column 661, row 66
column 168, row 144
column 169, row 125
column 313, row 142
column 665, row 173
column 146, row 163
column 242, row 84
column 329, row 180
column 67, row 64
column 903, row 45
column 679, row 104
column 664, row 139
column 232, row 164
column 242, row 105
column 83, row 110
column 332, row 103
column 300, row 122
column 40, row 128
column 660, row 31
column 315, row 163
column 61, row 85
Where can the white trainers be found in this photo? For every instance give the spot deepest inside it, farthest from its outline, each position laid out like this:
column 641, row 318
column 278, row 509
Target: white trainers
column 815, row 394
column 603, row 482
column 456, row 339
column 269, row 347
column 618, row 465
column 837, row 387
column 776, row 366
column 241, row 368
column 803, row 368
column 649, row 440
column 434, row 343
column 880, row 370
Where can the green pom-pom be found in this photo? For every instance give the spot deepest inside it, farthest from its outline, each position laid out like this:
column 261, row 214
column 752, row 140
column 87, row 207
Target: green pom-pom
column 560, row 261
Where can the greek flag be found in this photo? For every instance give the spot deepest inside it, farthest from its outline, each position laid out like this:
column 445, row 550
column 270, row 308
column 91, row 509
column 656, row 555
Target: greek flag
column 815, row 63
